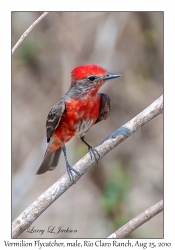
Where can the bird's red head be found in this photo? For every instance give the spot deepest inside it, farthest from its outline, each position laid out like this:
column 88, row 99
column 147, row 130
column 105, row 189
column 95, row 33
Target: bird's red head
column 84, row 71
column 90, row 77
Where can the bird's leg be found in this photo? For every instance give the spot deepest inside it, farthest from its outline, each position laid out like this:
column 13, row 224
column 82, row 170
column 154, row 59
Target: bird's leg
column 92, row 151
column 69, row 168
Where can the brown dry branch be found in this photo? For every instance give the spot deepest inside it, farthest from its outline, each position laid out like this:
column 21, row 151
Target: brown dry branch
column 28, row 31
column 139, row 220
column 26, row 218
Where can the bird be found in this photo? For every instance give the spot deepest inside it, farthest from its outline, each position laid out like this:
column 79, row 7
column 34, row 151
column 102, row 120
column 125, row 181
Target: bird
column 75, row 113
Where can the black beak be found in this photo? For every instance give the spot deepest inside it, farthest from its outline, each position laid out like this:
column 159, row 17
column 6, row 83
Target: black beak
column 110, row 76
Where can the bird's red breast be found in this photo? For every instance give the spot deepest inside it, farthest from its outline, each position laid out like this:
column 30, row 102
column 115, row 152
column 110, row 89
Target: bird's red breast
column 79, row 116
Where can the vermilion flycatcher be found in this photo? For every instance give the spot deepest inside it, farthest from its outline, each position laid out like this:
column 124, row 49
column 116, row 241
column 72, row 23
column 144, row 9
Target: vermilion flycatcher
column 75, row 113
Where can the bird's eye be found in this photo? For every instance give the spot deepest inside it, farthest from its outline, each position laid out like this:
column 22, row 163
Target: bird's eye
column 91, row 78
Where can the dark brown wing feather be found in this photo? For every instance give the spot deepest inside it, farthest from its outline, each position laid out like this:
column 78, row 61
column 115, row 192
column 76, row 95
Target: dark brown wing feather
column 105, row 107
column 53, row 118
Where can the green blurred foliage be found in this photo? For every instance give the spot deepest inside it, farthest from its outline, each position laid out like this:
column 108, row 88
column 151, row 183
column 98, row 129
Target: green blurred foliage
column 114, row 191
column 28, row 50
column 116, row 187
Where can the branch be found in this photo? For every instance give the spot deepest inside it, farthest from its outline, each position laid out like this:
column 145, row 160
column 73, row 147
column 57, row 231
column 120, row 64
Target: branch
column 28, row 31
column 26, row 218
column 133, row 224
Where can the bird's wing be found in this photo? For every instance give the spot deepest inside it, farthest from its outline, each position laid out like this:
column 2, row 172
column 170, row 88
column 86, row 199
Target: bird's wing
column 105, row 107
column 54, row 118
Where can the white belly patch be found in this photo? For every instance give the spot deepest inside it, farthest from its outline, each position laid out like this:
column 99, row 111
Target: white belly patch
column 83, row 127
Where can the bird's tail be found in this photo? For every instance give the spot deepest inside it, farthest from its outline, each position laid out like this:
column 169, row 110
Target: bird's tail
column 50, row 161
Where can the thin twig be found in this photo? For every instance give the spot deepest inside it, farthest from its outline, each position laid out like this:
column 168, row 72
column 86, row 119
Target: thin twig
column 139, row 220
column 28, row 31
column 26, row 218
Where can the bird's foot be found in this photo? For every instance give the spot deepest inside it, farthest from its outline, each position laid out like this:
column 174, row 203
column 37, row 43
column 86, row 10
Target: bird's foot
column 69, row 171
column 94, row 152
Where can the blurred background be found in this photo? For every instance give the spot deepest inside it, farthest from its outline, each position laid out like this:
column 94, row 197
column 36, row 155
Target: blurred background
column 129, row 179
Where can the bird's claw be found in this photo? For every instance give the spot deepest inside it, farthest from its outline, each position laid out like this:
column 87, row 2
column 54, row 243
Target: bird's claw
column 94, row 152
column 69, row 171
